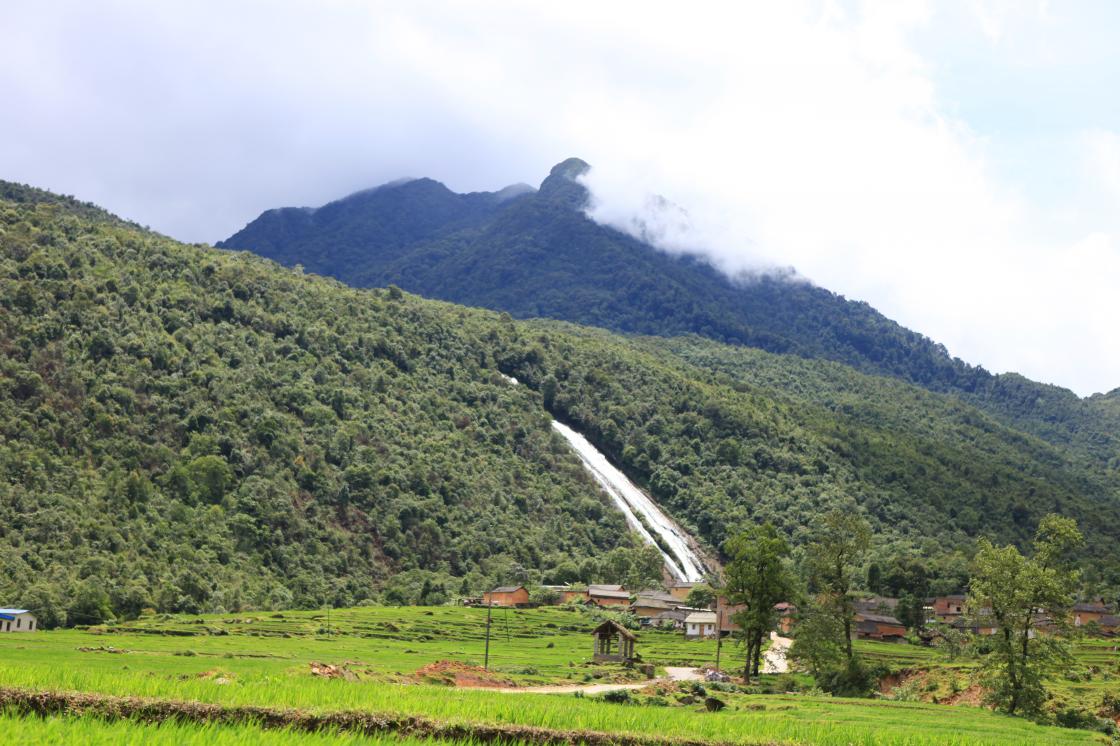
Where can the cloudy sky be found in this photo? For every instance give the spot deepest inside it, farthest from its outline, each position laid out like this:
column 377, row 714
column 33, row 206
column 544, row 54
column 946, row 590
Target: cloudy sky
column 956, row 164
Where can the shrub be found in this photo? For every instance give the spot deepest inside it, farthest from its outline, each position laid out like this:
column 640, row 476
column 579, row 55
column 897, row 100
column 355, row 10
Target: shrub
column 617, row 696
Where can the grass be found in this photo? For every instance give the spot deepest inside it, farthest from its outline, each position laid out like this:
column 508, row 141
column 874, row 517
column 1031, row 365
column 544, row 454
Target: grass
column 92, row 731
column 262, row 659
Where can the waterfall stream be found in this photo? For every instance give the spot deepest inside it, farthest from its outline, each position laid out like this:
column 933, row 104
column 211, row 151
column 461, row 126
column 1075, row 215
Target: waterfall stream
column 681, row 560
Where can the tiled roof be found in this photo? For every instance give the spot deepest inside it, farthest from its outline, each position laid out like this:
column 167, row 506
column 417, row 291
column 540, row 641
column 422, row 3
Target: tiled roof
column 879, row 619
column 604, row 593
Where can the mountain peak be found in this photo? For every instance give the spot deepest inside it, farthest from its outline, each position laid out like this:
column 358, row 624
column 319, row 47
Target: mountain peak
column 562, row 185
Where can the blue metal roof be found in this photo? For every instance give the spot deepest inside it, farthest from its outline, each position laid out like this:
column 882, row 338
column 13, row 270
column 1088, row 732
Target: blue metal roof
column 11, row 614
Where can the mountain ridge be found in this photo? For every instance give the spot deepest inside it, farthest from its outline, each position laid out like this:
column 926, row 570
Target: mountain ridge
column 541, row 256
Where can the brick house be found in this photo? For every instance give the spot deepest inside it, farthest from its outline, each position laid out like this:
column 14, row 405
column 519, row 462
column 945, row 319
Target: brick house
column 509, row 595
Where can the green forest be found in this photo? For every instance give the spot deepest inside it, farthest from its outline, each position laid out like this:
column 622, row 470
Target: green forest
column 190, row 429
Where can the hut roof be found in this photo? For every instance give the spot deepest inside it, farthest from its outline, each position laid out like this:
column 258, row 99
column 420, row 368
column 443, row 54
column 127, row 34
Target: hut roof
column 508, row 589
column 613, row 628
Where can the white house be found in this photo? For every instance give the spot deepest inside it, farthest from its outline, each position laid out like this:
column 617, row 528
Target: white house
column 700, row 624
column 17, row 620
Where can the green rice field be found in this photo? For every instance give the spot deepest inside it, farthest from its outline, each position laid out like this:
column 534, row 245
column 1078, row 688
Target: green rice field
column 383, row 663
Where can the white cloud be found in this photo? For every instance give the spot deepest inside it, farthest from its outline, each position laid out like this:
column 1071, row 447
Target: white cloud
column 808, row 133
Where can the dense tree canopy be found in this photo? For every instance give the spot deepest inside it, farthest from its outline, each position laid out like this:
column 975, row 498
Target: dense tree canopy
column 187, row 429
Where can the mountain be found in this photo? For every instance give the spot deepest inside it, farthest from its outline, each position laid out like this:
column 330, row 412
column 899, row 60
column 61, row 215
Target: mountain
column 539, row 255
column 191, row 429
column 188, row 428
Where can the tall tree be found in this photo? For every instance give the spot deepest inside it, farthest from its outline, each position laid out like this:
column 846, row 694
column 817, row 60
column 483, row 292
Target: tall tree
column 757, row 579
column 840, row 539
column 1014, row 590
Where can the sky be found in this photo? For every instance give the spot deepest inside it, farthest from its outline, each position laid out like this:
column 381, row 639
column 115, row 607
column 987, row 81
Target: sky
column 955, row 164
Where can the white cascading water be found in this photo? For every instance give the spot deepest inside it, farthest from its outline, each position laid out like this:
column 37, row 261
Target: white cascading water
column 682, row 562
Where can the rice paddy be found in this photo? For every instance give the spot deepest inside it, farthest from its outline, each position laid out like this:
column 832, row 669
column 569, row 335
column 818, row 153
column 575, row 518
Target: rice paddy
column 377, row 659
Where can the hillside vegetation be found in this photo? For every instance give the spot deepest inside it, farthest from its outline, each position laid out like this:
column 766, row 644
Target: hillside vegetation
column 538, row 255
column 193, row 429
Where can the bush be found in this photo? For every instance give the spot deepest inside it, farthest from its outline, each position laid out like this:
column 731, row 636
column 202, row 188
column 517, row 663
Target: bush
column 1079, row 717
column 852, row 679
column 617, row 696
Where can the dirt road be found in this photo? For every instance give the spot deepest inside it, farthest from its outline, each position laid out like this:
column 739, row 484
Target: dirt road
column 774, row 659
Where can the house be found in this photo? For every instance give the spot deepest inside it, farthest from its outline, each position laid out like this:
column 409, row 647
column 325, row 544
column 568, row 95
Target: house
column 599, row 594
column 1109, row 625
column 980, row 623
column 509, row 595
column 681, row 590
column 673, row 618
column 726, row 611
column 1089, row 611
column 949, row 608
column 787, row 616
column 613, row 595
column 879, row 627
column 699, row 625
column 648, row 604
column 876, row 605
column 17, row 620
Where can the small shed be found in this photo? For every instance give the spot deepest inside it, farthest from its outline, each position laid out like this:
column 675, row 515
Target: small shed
column 613, row 642
column 17, row 620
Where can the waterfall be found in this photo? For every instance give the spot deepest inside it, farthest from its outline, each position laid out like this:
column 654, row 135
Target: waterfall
column 682, row 562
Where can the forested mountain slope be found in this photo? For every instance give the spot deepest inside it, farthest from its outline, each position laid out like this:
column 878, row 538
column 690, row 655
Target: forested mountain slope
column 190, row 428
column 538, row 255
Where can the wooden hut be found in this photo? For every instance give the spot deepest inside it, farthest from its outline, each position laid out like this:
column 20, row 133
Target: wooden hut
column 613, row 642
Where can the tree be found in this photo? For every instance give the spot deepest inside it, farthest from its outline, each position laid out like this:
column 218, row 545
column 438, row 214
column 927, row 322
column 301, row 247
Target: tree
column 819, row 645
column 840, row 539
column 1013, row 589
column 701, row 597
column 757, row 579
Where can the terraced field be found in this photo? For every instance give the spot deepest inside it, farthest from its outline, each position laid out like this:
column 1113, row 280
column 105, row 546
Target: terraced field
column 223, row 678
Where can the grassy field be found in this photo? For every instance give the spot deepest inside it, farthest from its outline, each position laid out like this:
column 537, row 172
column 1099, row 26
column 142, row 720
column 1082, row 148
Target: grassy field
column 264, row 660
column 91, row 731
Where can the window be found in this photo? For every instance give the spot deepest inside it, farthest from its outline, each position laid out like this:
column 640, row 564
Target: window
column 18, row 621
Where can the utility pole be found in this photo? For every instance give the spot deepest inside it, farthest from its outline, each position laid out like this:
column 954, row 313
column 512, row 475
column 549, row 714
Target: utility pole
column 719, row 633
column 489, row 606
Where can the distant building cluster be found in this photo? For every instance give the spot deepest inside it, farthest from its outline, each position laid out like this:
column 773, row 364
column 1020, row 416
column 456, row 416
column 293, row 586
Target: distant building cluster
column 875, row 617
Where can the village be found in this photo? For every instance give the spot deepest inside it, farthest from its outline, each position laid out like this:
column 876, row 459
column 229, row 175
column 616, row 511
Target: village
column 698, row 612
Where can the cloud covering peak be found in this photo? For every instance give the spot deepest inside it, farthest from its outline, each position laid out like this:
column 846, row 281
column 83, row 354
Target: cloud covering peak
column 953, row 164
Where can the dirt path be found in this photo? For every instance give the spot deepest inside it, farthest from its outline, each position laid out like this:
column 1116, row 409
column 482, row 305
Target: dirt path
column 774, row 659
column 679, row 673
column 673, row 673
